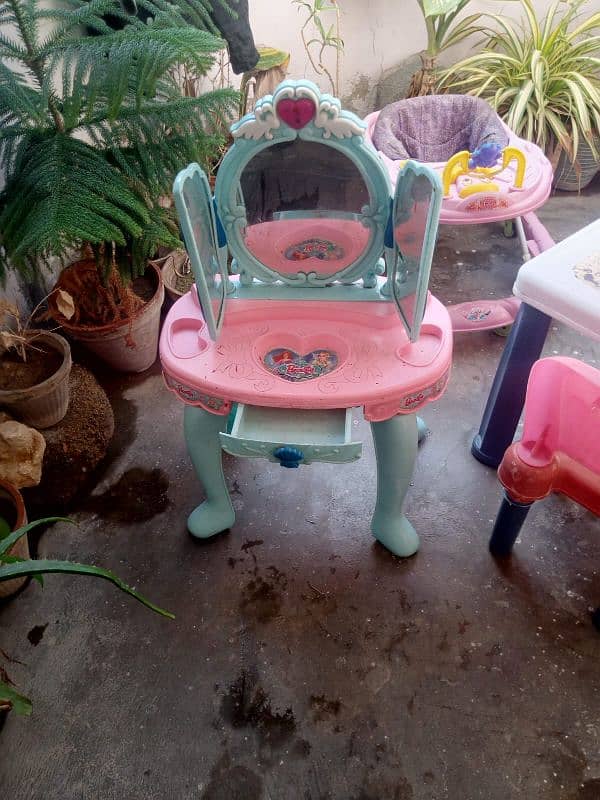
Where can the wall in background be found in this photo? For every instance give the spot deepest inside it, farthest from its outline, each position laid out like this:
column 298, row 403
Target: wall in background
column 382, row 41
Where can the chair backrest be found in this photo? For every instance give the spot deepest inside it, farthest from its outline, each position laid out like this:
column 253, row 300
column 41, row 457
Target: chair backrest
column 562, row 413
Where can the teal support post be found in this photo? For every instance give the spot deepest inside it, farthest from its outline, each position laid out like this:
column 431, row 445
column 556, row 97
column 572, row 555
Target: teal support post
column 395, row 442
column 216, row 513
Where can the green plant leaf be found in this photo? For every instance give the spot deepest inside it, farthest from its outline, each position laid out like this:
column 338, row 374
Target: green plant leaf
column 6, row 542
column 65, row 74
column 433, row 8
column 46, row 566
column 19, row 703
column 543, row 79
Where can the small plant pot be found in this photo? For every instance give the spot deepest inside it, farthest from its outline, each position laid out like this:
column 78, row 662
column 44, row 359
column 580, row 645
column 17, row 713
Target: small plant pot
column 175, row 278
column 130, row 345
column 45, row 403
column 570, row 177
column 12, row 510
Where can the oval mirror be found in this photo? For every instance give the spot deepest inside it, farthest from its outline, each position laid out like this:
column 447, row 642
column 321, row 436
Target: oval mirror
column 304, row 204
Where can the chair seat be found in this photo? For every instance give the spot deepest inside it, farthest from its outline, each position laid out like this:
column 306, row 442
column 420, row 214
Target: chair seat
column 560, row 448
column 561, row 474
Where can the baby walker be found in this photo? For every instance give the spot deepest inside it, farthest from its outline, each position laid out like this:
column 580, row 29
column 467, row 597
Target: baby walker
column 488, row 174
column 307, row 330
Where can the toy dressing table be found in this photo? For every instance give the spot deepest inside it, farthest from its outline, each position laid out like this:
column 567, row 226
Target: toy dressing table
column 272, row 361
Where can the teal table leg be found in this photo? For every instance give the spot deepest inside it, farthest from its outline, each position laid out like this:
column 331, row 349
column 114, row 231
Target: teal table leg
column 396, row 450
column 216, row 513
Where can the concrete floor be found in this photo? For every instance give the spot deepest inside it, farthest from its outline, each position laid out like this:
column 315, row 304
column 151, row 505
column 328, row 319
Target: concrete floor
column 306, row 662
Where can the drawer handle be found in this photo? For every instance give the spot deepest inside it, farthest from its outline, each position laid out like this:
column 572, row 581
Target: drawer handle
column 289, row 457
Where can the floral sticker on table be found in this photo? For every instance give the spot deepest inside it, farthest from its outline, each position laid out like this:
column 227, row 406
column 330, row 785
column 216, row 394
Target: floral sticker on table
column 291, row 366
column 588, row 270
column 323, row 249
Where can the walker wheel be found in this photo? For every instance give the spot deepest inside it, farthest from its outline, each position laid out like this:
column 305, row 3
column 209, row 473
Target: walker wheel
column 509, row 229
column 503, row 331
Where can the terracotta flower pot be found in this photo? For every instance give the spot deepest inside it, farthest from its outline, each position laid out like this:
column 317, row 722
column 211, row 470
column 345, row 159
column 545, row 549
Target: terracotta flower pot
column 12, row 509
column 129, row 345
column 45, row 403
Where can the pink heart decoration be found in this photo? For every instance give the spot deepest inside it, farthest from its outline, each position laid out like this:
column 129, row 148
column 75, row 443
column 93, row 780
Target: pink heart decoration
column 294, row 367
column 296, row 113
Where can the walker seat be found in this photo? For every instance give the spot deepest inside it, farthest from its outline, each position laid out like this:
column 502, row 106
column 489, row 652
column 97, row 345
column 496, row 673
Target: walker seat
column 272, row 360
column 488, row 174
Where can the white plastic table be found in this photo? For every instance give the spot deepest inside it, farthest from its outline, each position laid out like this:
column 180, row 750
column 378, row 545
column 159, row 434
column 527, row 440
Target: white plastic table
column 562, row 283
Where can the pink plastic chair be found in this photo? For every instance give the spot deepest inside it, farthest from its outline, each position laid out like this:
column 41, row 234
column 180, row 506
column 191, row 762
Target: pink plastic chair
column 560, row 448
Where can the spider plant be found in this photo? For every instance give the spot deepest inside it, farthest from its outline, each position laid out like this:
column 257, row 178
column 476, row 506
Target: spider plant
column 443, row 31
column 541, row 77
column 12, row 567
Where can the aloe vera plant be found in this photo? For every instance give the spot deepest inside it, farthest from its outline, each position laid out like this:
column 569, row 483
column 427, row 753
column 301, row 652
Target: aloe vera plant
column 13, row 567
column 542, row 77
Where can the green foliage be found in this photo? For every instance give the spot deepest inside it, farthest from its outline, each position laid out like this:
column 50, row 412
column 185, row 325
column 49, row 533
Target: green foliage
column 443, row 30
column 93, row 125
column 541, row 77
column 13, row 567
column 326, row 38
column 11, row 699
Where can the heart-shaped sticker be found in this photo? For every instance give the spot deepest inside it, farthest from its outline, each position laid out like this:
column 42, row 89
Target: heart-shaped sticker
column 293, row 367
column 296, row 113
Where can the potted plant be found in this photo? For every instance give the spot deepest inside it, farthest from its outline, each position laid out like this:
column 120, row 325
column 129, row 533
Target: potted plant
column 12, row 517
column 16, row 565
column 322, row 39
column 543, row 80
column 443, row 31
column 94, row 129
column 34, row 369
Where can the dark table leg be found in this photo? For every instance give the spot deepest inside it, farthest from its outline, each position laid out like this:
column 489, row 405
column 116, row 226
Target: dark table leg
column 507, row 395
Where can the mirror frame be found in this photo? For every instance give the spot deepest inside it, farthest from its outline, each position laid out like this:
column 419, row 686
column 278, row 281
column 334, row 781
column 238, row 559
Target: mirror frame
column 193, row 178
column 412, row 170
column 329, row 126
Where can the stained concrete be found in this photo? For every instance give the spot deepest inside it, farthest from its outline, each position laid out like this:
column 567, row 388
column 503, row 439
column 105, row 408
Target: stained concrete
column 306, row 662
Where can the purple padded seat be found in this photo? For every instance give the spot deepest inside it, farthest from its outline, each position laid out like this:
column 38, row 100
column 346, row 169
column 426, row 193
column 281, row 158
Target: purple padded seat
column 435, row 127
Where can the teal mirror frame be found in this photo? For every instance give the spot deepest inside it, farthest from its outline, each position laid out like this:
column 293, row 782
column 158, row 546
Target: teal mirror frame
column 193, row 180
column 402, row 202
column 330, row 126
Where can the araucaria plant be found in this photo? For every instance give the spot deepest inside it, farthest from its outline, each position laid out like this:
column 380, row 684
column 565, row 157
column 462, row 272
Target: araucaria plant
column 93, row 126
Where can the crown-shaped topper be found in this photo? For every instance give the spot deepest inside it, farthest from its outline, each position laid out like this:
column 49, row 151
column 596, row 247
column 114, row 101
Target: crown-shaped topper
column 297, row 104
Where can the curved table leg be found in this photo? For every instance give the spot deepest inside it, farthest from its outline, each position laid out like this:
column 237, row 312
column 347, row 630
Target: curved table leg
column 216, row 513
column 421, row 429
column 396, row 450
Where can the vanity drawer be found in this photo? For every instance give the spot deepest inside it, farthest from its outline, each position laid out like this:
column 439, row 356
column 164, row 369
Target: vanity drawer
column 298, row 436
